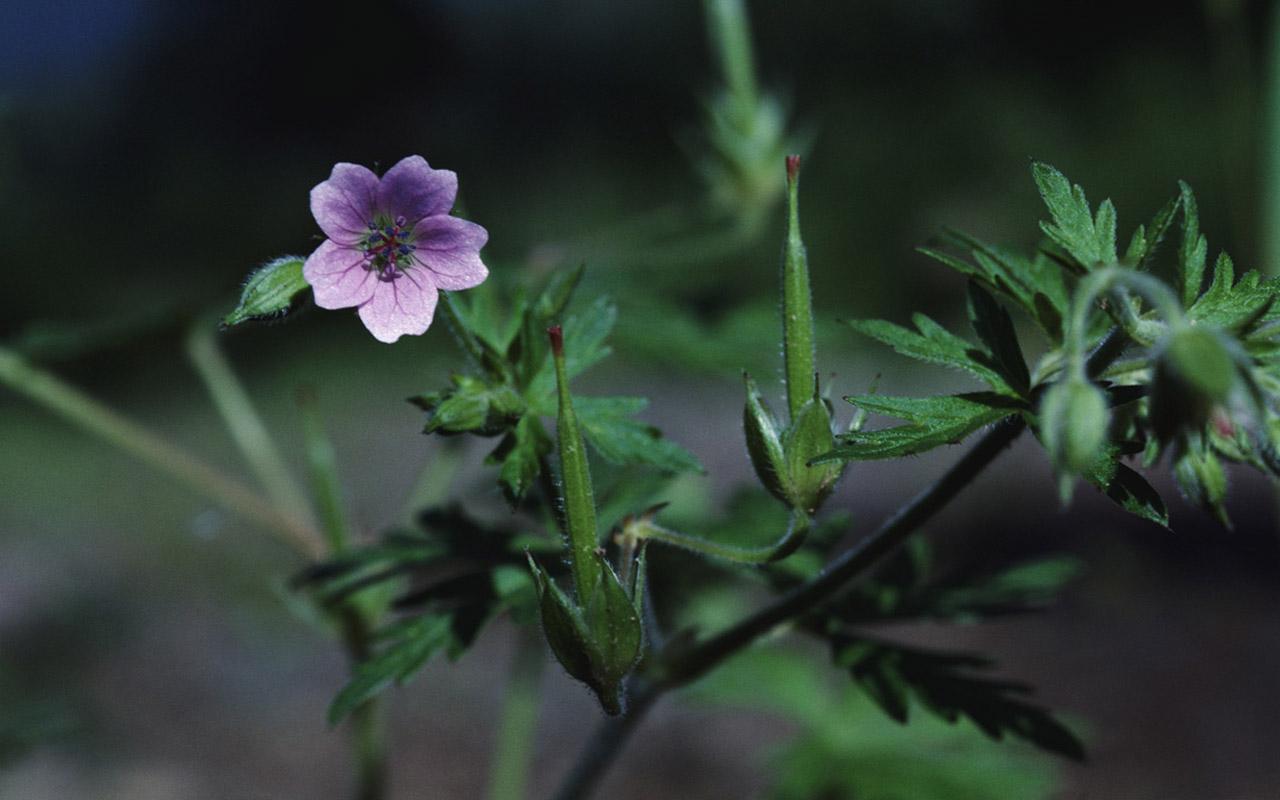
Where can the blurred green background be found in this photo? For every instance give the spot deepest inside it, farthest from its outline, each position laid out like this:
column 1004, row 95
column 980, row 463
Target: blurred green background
column 152, row 153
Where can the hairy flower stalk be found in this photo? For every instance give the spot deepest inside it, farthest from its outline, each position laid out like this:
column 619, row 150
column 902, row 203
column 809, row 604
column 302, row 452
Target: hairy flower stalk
column 392, row 245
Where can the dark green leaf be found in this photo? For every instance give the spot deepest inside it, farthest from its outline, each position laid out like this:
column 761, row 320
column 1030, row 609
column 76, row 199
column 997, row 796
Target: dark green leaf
column 933, row 422
column 607, row 425
column 1127, row 488
column 936, row 345
column 414, row 645
column 945, row 685
column 995, row 329
column 521, row 454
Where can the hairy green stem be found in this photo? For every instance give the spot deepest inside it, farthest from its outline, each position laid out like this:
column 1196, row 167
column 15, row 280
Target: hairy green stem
column 244, row 423
column 75, row 406
column 514, row 749
column 785, row 546
column 367, row 725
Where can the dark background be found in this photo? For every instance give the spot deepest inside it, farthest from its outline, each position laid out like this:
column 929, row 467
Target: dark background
column 151, row 153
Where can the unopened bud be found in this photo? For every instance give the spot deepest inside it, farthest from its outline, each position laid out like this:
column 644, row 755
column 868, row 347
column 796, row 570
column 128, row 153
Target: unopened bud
column 1195, row 370
column 1073, row 424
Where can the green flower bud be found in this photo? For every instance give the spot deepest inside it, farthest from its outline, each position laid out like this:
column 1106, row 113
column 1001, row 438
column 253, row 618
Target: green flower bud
column 270, row 292
column 1196, row 368
column 1073, row 424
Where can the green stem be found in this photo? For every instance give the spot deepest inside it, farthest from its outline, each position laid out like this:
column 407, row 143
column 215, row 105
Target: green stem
column 367, row 725
column 515, row 746
column 731, row 39
column 244, row 423
column 785, row 546
column 73, row 405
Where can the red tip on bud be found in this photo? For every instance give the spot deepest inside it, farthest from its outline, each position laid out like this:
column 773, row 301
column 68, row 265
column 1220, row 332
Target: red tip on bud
column 557, row 339
column 793, row 168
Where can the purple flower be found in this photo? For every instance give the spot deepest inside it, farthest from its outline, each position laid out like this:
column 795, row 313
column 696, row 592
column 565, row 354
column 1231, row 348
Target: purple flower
column 392, row 245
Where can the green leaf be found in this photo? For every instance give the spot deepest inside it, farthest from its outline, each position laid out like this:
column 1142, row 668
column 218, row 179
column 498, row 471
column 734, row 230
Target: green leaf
column 414, row 645
column 1035, row 284
column 1236, row 306
column 905, row 589
column 932, row 422
column 520, row 453
column 471, row 406
column 1090, row 242
column 584, row 346
column 559, row 291
column 607, row 425
column 945, row 685
column 995, row 329
column 1146, row 240
column 844, row 748
column 936, row 345
column 1194, row 250
column 270, row 292
column 1126, row 488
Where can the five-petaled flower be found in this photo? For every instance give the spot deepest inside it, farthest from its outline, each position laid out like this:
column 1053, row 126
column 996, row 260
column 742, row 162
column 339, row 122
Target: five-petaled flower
column 392, row 245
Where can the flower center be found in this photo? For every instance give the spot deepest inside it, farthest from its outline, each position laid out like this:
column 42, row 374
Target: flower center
column 388, row 247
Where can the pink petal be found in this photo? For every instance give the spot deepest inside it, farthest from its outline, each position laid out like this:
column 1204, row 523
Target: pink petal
column 344, row 204
column 450, row 248
column 401, row 306
column 414, row 190
column 338, row 277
